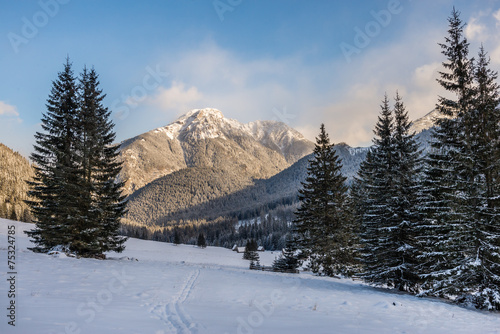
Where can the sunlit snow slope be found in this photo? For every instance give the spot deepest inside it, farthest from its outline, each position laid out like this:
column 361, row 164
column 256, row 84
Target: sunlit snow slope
column 161, row 288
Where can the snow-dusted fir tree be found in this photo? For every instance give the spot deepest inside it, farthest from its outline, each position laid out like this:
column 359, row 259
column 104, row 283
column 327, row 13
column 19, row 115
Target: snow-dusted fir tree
column 77, row 202
column 372, row 187
column 406, row 197
column 483, row 203
column 447, row 235
column 322, row 220
column 386, row 193
column 288, row 260
column 55, row 187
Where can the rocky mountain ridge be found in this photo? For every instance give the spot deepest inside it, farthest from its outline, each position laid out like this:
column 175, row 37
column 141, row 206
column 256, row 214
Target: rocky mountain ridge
column 205, row 138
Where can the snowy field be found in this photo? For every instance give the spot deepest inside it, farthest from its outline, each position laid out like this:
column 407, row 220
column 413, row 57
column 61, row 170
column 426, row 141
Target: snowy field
column 160, row 288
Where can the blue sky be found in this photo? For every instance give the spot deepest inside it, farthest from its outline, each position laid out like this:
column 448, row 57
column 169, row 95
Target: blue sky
column 302, row 62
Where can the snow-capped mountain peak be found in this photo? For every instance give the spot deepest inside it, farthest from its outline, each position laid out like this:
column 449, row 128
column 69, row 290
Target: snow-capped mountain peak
column 197, row 124
column 426, row 122
column 205, row 138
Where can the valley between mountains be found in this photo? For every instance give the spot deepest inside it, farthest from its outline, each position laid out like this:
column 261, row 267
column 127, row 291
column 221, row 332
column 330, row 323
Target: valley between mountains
column 204, row 168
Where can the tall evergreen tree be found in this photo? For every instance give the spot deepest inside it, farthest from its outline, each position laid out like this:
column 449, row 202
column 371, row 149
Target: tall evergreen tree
column 322, row 220
column 101, row 202
column 386, row 191
column 77, row 200
column 373, row 182
column 479, row 275
column 446, row 237
column 54, row 188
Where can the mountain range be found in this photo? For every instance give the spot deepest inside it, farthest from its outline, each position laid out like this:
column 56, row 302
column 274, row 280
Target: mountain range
column 203, row 166
column 204, row 138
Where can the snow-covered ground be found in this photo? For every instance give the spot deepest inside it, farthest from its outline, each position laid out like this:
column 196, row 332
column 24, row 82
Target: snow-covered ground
column 160, row 288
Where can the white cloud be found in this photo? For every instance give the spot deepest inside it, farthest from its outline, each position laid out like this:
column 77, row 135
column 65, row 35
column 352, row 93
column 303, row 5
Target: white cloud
column 312, row 94
column 344, row 96
column 8, row 110
column 496, row 15
column 495, row 55
column 175, row 98
column 475, row 30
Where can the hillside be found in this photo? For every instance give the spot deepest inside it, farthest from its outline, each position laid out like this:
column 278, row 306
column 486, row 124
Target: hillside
column 194, row 193
column 15, row 170
column 204, row 138
column 177, row 195
column 156, row 287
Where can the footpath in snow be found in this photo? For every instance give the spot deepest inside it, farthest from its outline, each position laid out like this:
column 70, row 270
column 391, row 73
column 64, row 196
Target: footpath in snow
column 160, row 288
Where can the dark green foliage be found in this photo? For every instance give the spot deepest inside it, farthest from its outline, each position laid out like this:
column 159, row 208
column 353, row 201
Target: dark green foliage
column 224, row 232
column 177, row 237
column 202, row 243
column 55, row 185
column 288, row 260
column 322, row 220
column 13, row 215
column 386, row 201
column 251, row 254
column 77, row 202
column 461, row 234
column 446, row 231
column 251, row 250
column 484, row 204
column 101, row 199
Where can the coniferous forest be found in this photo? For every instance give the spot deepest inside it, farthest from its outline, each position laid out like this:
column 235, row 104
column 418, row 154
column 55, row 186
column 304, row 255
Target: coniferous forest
column 428, row 224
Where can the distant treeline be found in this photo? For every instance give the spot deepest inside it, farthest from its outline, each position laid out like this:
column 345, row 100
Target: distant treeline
column 269, row 230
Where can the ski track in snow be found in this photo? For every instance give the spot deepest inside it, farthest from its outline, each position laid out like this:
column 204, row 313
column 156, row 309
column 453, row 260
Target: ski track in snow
column 173, row 314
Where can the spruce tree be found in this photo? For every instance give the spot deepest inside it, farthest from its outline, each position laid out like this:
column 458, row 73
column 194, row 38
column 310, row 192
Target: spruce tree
column 250, row 249
column 322, row 220
column 288, row 260
column 101, row 201
column 386, row 192
column 479, row 275
column 446, row 236
column 201, row 242
column 407, row 194
column 373, row 184
column 55, row 187
column 77, row 201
